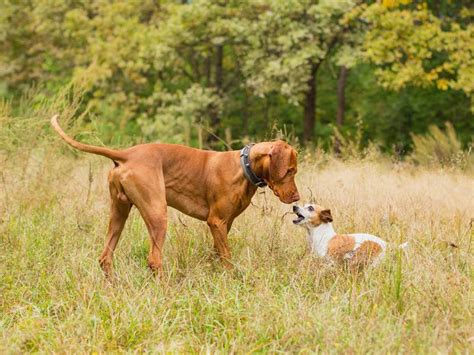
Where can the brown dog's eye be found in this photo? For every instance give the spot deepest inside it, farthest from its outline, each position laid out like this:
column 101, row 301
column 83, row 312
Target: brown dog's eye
column 310, row 208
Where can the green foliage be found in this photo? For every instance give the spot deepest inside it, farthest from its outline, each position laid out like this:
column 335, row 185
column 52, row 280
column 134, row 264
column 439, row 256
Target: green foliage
column 414, row 47
column 351, row 146
column 287, row 38
column 184, row 73
column 390, row 117
column 27, row 127
column 182, row 115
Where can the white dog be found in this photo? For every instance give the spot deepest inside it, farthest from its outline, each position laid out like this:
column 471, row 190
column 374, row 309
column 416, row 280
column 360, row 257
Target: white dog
column 355, row 249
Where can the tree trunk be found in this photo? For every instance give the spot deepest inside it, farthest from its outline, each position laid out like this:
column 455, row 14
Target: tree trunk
column 245, row 115
column 341, row 95
column 218, row 82
column 310, row 106
column 341, row 103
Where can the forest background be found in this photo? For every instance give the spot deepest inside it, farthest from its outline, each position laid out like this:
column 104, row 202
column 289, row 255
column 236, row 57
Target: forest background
column 216, row 74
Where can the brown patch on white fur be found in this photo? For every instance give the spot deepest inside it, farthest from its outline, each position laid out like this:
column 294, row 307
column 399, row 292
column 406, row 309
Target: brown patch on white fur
column 320, row 216
column 365, row 254
column 339, row 246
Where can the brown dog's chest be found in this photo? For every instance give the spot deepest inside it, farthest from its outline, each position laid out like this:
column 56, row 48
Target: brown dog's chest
column 187, row 203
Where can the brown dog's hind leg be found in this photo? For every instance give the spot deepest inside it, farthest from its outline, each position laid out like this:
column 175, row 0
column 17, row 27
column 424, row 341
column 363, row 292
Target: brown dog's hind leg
column 156, row 223
column 119, row 210
column 147, row 192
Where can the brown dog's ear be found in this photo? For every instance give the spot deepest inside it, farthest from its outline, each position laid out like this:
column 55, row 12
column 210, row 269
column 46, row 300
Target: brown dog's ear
column 325, row 216
column 279, row 161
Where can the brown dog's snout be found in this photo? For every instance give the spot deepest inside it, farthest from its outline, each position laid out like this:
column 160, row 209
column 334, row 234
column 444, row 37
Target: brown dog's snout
column 296, row 197
column 292, row 198
column 289, row 198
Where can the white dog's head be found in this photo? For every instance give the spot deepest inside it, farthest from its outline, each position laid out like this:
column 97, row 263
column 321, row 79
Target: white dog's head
column 311, row 215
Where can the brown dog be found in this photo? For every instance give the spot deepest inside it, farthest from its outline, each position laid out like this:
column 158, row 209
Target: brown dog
column 207, row 185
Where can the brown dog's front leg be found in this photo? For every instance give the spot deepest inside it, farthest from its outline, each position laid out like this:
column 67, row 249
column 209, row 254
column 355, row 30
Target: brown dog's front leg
column 219, row 229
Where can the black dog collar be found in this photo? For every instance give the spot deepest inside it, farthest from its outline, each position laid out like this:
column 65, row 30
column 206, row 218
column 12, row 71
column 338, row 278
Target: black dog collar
column 245, row 163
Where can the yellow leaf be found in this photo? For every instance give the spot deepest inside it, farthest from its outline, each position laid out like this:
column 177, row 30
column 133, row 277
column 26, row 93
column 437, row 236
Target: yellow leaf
column 442, row 84
column 389, row 3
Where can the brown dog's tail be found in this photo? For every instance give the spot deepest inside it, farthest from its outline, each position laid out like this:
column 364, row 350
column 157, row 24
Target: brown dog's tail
column 115, row 155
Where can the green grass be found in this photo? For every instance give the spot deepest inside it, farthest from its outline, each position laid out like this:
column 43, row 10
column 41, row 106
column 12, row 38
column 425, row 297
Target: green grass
column 279, row 298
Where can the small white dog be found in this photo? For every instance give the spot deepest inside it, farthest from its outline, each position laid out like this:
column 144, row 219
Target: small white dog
column 355, row 249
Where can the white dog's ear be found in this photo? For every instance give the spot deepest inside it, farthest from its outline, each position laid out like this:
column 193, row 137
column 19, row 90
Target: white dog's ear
column 325, row 216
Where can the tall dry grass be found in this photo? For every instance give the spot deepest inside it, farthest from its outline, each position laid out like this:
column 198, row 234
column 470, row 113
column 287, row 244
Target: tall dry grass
column 54, row 209
column 53, row 297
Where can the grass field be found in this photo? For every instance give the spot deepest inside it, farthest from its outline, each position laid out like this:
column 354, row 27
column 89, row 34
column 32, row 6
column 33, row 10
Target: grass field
column 54, row 297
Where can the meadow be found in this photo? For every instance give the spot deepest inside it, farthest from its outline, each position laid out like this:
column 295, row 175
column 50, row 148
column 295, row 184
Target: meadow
column 376, row 96
column 54, row 297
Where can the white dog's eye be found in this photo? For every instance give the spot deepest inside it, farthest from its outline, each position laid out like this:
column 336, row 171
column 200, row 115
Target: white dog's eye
column 310, row 208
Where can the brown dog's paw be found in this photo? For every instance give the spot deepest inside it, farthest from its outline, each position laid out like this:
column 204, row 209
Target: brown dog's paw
column 106, row 266
column 227, row 264
column 156, row 267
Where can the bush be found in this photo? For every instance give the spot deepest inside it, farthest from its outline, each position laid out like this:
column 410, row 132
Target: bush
column 441, row 148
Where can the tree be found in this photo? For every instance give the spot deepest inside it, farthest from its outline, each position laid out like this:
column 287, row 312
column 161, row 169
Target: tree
column 288, row 42
column 341, row 95
column 205, row 39
column 412, row 46
column 341, row 102
column 189, row 71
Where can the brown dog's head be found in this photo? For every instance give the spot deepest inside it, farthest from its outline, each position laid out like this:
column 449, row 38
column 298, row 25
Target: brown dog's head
column 282, row 168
